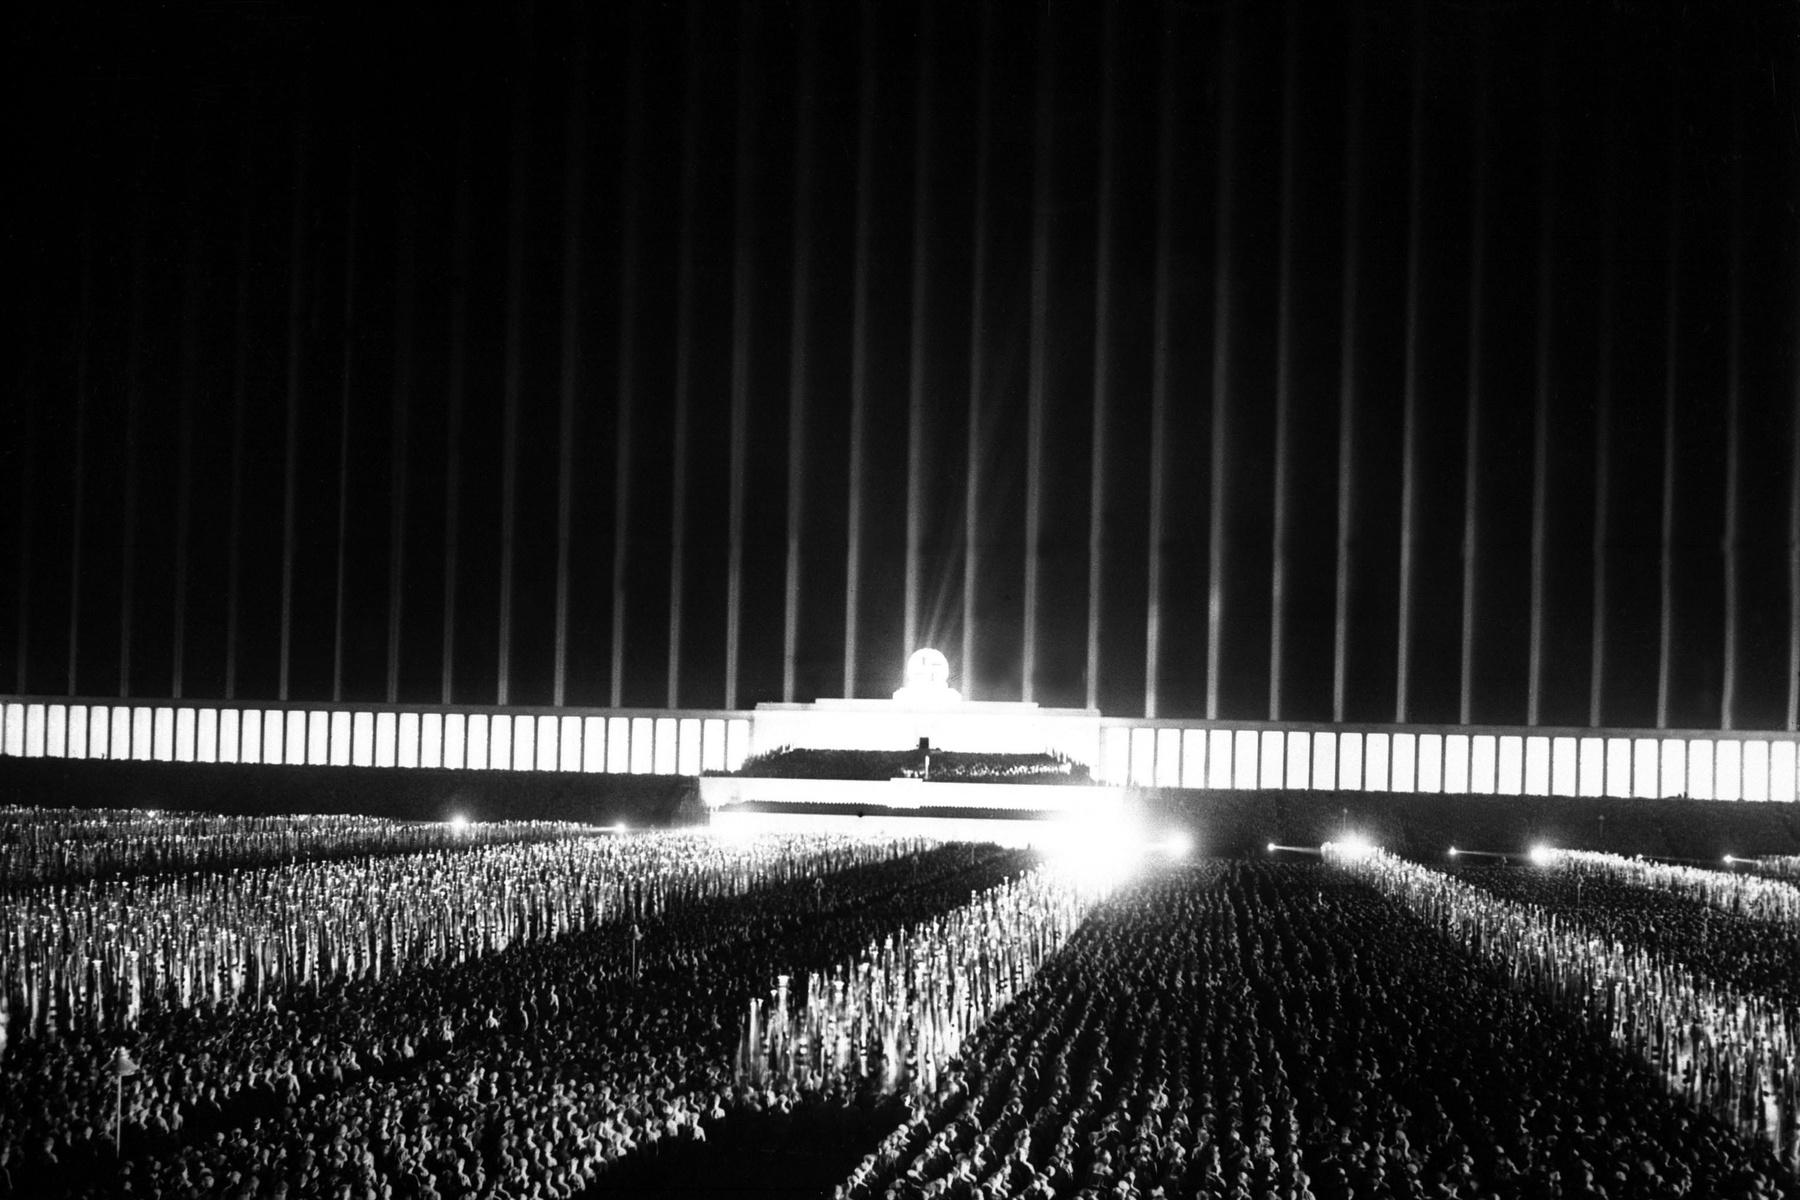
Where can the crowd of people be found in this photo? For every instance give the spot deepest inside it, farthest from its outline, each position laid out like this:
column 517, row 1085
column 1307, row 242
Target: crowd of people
column 1285, row 1031
column 1741, row 893
column 1726, row 1050
column 523, row 1072
column 40, row 846
column 101, row 953
column 898, row 1015
column 1733, row 950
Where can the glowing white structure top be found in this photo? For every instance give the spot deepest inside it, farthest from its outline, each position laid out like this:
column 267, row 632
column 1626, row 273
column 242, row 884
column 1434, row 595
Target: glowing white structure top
column 927, row 681
column 927, row 707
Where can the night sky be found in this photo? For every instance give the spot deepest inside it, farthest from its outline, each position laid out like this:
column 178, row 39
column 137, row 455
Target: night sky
column 1431, row 362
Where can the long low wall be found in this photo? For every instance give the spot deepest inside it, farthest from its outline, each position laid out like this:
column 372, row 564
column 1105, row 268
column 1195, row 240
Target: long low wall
column 1219, row 755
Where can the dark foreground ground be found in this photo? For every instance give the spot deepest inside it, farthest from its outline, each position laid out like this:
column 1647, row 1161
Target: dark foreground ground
column 1224, row 822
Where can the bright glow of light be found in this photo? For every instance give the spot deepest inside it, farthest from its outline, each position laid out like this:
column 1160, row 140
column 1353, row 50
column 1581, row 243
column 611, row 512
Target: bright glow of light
column 1271, row 847
column 621, row 827
column 1179, row 844
column 1098, row 853
column 1453, row 852
column 459, row 822
column 1542, row 855
column 1354, row 846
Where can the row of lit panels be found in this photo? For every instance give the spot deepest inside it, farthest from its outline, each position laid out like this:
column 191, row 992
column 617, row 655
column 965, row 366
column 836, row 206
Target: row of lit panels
column 1722, row 768
column 672, row 745
column 1715, row 768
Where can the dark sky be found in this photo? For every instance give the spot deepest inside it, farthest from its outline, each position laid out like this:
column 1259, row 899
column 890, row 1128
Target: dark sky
column 316, row 308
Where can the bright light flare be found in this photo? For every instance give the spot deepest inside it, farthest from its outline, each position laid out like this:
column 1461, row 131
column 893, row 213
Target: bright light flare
column 1353, row 846
column 1542, row 855
column 1179, row 844
column 1099, row 854
column 459, row 822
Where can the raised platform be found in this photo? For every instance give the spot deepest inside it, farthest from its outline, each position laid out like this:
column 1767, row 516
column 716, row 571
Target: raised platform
column 998, row 727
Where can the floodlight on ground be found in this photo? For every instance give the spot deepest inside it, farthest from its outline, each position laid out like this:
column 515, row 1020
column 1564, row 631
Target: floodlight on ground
column 458, row 822
column 1179, row 844
column 1542, row 855
column 1453, row 852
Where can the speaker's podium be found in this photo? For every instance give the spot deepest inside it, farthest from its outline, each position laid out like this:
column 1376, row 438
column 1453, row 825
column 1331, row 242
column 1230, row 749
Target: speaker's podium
column 926, row 712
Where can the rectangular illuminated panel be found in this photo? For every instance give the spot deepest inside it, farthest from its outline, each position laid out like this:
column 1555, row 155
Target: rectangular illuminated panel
column 78, row 730
column 1193, row 758
column 1728, row 768
column 1115, row 755
column 56, row 731
column 100, row 722
column 687, row 756
column 712, row 744
column 1218, row 759
column 1618, row 767
column 1483, row 748
column 1403, row 763
column 1350, row 761
column 362, row 738
column 1143, row 757
column 1168, row 758
column 737, row 743
column 1564, row 766
column 524, row 743
column 1431, row 762
column 500, row 742
column 1643, row 769
column 337, row 739
column 184, row 735
column 665, row 746
column 1672, row 773
column 1376, row 748
column 1510, row 776
column 206, row 736
column 1274, row 758
column 293, row 738
column 568, row 744
column 545, row 749
column 13, row 741
column 643, row 746
column 1590, row 767
column 618, row 745
column 122, row 724
column 593, row 744
column 244, row 742
column 1756, row 770
column 1700, row 769
column 1456, row 762
column 1244, row 762
column 1781, row 771
column 456, row 735
column 34, row 731
column 409, row 739
column 477, row 742
column 254, row 729
column 145, row 730
column 431, row 740
column 387, row 739
column 1298, row 774
column 1324, row 761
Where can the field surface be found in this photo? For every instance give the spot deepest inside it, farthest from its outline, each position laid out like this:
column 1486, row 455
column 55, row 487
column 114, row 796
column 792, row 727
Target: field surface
column 203, row 1006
